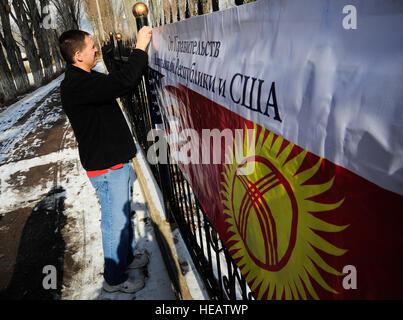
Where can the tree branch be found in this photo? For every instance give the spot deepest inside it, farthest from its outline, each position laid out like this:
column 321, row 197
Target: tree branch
column 2, row 40
column 13, row 17
column 26, row 10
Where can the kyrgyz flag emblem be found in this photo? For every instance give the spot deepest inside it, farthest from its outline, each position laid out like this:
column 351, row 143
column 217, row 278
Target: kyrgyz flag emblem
column 269, row 210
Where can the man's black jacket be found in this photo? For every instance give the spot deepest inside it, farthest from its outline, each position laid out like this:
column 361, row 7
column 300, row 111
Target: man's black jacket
column 89, row 100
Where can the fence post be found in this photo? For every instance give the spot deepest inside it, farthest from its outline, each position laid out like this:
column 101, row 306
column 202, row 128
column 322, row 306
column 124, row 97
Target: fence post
column 111, row 41
column 140, row 12
column 119, row 41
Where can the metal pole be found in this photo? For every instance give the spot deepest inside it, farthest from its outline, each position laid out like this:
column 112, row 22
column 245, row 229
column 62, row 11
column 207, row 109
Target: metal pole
column 140, row 12
column 119, row 40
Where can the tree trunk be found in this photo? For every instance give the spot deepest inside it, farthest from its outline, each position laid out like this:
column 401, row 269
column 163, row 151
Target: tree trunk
column 2, row 98
column 55, row 52
column 182, row 10
column 6, row 80
column 155, row 9
column 13, row 52
column 41, row 40
column 69, row 11
column 193, row 7
column 28, row 40
column 207, row 6
column 231, row 3
column 174, row 8
column 74, row 12
column 167, row 11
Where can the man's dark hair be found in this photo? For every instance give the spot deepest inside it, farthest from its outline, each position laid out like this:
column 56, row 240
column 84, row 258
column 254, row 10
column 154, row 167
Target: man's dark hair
column 70, row 42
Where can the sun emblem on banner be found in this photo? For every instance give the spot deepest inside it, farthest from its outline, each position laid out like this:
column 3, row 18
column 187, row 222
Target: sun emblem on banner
column 269, row 213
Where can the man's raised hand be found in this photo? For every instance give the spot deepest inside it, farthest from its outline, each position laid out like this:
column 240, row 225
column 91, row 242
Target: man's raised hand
column 143, row 38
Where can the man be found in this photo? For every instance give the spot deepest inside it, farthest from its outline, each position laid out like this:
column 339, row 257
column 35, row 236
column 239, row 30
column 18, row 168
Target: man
column 105, row 145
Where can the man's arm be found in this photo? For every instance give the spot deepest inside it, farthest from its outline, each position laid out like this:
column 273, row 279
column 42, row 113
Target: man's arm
column 102, row 88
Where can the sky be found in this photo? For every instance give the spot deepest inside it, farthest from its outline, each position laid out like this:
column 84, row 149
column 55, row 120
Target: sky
column 85, row 25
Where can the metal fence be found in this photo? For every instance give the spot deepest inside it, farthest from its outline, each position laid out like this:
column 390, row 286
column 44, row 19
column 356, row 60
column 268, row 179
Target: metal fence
column 221, row 276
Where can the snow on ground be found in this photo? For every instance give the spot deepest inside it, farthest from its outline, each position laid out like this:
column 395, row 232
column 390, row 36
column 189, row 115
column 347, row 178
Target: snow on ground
column 83, row 211
column 10, row 198
column 38, row 153
column 9, row 116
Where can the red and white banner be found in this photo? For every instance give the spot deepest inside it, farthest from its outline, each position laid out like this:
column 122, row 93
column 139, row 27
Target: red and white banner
column 309, row 95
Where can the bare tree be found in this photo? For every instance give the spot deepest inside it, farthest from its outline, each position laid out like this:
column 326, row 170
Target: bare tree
column 40, row 36
column 91, row 12
column 51, row 34
column 120, row 13
column 69, row 12
column 107, row 14
column 131, row 22
column 182, row 10
column 12, row 49
column 207, row 6
column 39, row 43
column 31, row 51
column 53, row 38
column 7, row 85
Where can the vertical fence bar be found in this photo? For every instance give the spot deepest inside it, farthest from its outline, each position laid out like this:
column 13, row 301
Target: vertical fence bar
column 216, row 248
column 184, row 205
column 201, row 225
column 186, row 212
column 208, row 240
column 173, row 182
column 229, row 282
column 191, row 210
column 119, row 41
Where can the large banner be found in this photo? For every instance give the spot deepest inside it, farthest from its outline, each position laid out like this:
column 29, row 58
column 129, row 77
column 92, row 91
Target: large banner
column 304, row 101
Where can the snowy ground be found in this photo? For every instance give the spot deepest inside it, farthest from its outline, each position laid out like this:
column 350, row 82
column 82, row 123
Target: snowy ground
column 49, row 214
